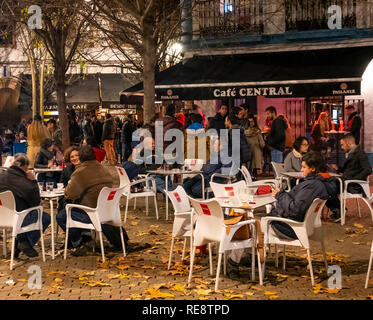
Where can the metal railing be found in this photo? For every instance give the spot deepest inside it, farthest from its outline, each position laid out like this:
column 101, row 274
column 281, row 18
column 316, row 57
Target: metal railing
column 220, row 18
column 302, row 15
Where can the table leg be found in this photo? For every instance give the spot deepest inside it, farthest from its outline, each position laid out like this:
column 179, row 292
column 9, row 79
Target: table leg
column 166, row 197
column 203, row 186
column 52, row 226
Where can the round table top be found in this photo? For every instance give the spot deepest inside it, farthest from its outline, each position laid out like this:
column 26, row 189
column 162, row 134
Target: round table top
column 334, row 131
column 173, row 171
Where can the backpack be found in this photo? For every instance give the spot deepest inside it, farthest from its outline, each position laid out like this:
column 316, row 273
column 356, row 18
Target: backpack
column 289, row 137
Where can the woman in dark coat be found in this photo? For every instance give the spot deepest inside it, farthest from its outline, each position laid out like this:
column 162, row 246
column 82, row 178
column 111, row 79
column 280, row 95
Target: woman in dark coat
column 44, row 159
column 294, row 204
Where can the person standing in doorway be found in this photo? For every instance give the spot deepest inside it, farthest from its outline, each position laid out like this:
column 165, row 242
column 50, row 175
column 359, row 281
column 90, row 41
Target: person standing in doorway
column 353, row 123
column 276, row 136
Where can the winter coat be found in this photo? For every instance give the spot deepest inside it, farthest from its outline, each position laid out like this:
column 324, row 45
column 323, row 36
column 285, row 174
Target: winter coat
column 168, row 124
column 192, row 148
column 109, row 129
column 295, row 203
column 276, row 137
column 245, row 148
column 255, row 139
column 126, row 134
column 42, row 158
column 97, row 131
column 25, row 191
column 216, row 164
column 356, row 166
column 217, row 122
column 354, row 126
column 86, row 183
column 67, row 173
column 293, row 162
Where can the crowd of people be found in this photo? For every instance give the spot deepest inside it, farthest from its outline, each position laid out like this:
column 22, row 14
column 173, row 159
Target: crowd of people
column 93, row 141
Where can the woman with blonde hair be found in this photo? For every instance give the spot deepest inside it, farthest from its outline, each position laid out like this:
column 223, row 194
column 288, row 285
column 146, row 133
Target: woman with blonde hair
column 37, row 132
column 318, row 135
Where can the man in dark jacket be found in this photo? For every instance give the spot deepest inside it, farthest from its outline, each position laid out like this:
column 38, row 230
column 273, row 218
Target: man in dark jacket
column 354, row 123
column 193, row 186
column 108, row 135
column 356, row 165
column 218, row 122
column 169, row 122
column 97, row 130
column 126, row 136
column 23, row 185
column 276, row 136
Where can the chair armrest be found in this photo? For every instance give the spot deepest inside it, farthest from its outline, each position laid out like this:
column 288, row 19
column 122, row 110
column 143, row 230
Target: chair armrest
column 264, row 221
column 139, row 181
column 264, row 182
column 24, row 212
column 146, row 180
column 238, row 225
column 220, row 175
column 361, row 182
column 79, row 206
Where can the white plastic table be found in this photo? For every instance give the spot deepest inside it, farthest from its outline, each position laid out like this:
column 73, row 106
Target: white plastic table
column 51, row 195
column 177, row 171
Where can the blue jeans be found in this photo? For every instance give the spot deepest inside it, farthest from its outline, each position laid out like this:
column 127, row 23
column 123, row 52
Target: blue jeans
column 75, row 234
column 33, row 236
column 160, row 183
column 277, row 156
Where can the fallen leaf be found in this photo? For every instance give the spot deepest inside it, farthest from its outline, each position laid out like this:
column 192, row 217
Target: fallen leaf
column 58, row 280
column 282, row 275
column 154, row 226
column 229, row 296
column 153, row 293
column 336, row 290
column 63, row 273
column 358, row 225
column 340, row 240
column 370, row 297
column 86, row 274
column 356, row 243
column 179, row 287
column 269, row 293
column 249, row 293
column 203, row 298
column 103, row 265
column 27, row 294
column 257, row 288
column 134, row 223
column 119, row 276
column 22, row 280
column 10, row 282
column 273, row 297
column 159, row 242
column 92, row 283
column 203, row 292
column 123, row 267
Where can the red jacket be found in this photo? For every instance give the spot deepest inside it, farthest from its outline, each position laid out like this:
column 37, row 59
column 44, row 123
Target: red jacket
column 100, row 154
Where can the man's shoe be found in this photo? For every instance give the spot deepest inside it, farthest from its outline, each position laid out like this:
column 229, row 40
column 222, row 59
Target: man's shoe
column 233, row 271
column 80, row 251
column 25, row 247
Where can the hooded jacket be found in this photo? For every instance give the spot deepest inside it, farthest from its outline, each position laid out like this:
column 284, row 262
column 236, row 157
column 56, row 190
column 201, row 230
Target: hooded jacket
column 295, row 203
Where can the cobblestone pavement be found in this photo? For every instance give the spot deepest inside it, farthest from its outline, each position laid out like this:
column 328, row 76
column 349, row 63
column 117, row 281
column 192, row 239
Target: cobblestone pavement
column 144, row 274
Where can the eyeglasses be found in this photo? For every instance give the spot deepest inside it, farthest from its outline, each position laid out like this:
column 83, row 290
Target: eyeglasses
column 304, row 144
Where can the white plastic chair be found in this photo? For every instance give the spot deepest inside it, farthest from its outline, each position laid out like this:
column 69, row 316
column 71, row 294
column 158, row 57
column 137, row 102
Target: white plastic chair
column 369, row 266
column 310, row 228
column 249, row 181
column 8, row 161
column 183, row 219
column 228, row 190
column 357, row 196
column 278, row 169
column 10, row 218
column 150, row 191
column 107, row 211
column 210, row 228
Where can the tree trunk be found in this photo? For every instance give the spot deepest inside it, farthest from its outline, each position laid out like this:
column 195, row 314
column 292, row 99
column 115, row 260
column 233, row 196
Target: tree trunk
column 42, row 70
column 33, row 83
column 148, row 79
column 59, row 76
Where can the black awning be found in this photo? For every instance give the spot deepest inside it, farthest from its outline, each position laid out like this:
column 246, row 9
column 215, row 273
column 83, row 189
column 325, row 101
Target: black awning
column 305, row 73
